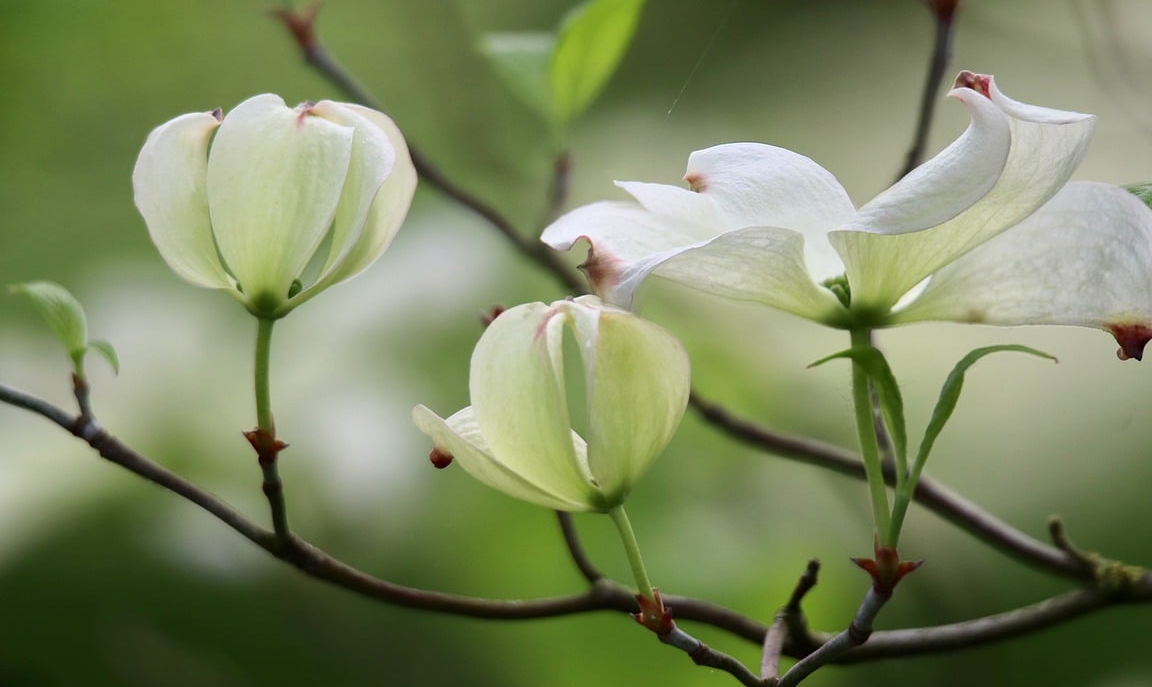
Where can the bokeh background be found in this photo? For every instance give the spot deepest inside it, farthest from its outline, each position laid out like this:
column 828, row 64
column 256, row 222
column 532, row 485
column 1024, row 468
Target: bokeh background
column 107, row 580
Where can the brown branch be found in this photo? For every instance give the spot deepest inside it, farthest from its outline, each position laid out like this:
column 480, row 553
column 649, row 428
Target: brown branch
column 1119, row 585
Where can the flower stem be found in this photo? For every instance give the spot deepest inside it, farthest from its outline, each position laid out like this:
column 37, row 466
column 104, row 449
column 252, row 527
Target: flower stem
column 628, row 537
column 866, row 432
column 262, row 376
column 263, row 438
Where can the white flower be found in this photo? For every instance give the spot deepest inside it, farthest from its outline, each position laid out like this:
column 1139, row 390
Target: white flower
column 979, row 221
column 518, row 436
column 280, row 204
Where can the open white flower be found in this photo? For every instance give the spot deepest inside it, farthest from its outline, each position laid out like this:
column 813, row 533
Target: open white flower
column 280, row 204
column 764, row 224
column 517, row 435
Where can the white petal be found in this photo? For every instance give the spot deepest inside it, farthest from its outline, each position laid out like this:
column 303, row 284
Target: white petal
column 460, row 437
column 377, row 193
column 949, row 183
column 275, row 176
column 169, row 186
column 517, row 388
column 620, row 235
column 1046, row 146
column 757, row 185
column 637, row 390
column 759, row 264
column 1084, row 259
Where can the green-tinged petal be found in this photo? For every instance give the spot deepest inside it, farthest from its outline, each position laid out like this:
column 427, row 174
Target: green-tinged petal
column 517, row 389
column 590, row 44
column 460, row 437
column 758, row 264
column 1083, row 259
column 522, row 59
column 61, row 311
column 377, row 193
column 1046, row 146
column 638, row 386
column 275, row 176
column 757, row 185
column 169, row 188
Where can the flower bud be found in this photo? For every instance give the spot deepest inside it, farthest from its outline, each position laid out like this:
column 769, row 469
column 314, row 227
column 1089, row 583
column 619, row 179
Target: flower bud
column 274, row 204
column 518, row 436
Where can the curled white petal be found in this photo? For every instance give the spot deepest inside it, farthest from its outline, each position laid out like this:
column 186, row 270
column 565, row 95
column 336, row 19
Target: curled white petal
column 1045, row 147
column 169, row 188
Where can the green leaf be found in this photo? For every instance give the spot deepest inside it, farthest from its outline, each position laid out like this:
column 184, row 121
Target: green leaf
column 62, row 312
column 891, row 401
column 107, row 352
column 522, row 60
column 950, row 395
column 590, row 44
column 1142, row 191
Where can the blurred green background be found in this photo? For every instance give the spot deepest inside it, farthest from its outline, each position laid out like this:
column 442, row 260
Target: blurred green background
column 107, row 580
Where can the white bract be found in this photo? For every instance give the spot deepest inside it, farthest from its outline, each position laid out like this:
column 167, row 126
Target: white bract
column 280, row 204
column 991, row 223
column 517, row 435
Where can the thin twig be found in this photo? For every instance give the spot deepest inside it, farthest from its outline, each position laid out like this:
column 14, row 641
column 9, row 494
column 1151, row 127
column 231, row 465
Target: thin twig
column 82, row 393
column 704, row 655
column 855, row 635
column 941, row 51
column 561, row 182
column 576, row 549
column 788, row 622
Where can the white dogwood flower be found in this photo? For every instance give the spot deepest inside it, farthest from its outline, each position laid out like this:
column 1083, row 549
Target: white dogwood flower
column 989, row 223
column 274, row 204
column 518, row 434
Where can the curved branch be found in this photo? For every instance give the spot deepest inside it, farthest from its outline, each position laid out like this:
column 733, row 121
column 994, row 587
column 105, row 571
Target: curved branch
column 1014, row 623
column 575, row 549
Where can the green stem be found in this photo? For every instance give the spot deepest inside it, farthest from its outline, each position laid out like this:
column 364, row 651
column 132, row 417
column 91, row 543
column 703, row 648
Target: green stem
column 866, row 432
column 628, row 537
column 262, row 376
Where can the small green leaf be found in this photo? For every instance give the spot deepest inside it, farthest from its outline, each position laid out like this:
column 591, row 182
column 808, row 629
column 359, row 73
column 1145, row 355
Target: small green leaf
column 107, row 352
column 950, row 395
column 62, row 312
column 590, row 44
column 1142, row 191
column 891, row 401
column 522, row 60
